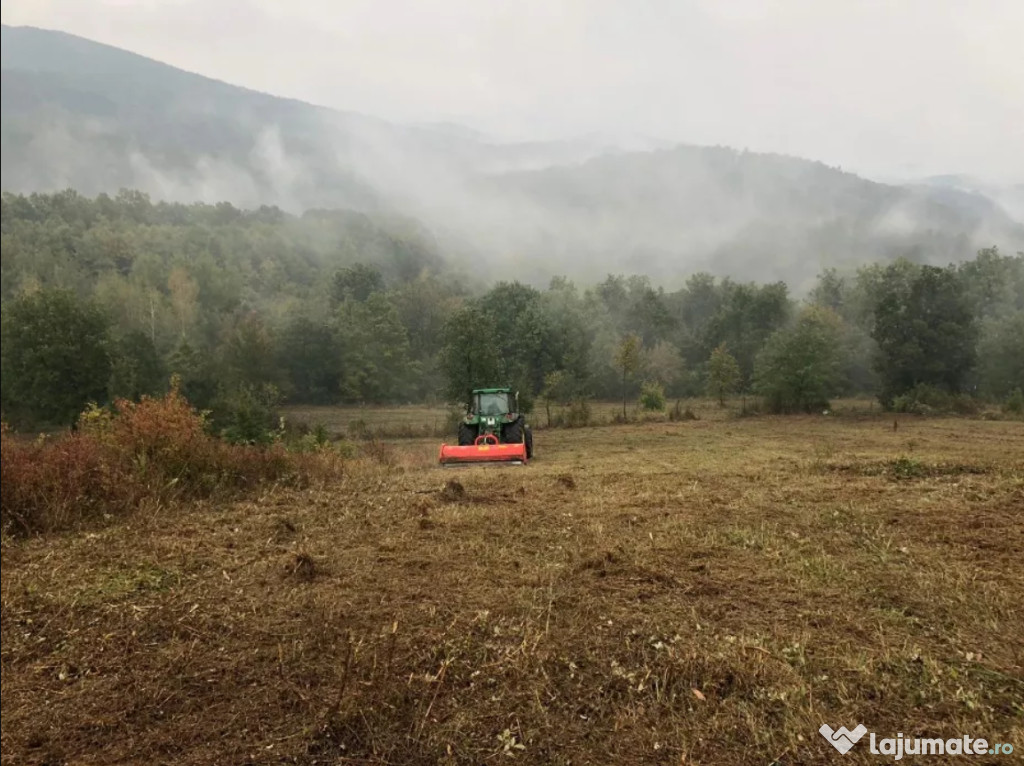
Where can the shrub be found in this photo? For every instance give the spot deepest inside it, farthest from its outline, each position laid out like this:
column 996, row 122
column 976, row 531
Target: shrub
column 249, row 415
column 652, row 397
column 1015, row 402
column 679, row 413
column 51, row 482
column 924, row 399
column 155, row 450
column 578, row 415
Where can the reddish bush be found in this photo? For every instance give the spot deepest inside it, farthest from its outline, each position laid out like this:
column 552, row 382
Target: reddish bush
column 49, row 483
column 156, row 449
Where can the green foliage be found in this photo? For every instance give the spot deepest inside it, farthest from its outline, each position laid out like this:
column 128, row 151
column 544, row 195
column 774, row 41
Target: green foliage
column 526, row 339
column 628, row 360
column 338, row 306
column 54, row 355
column 248, row 414
column 723, row 373
column 799, row 367
column 309, row 356
column 578, row 414
column 1015, row 402
column 377, row 361
column 1001, row 355
column 195, row 370
column 559, row 389
column 925, row 329
column 470, row 353
column 356, row 283
column 747, row 315
column 652, row 396
column 249, row 352
column 137, row 369
column 926, row 399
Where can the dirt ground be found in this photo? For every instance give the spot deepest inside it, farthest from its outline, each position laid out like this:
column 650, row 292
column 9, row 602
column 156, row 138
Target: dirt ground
column 701, row 592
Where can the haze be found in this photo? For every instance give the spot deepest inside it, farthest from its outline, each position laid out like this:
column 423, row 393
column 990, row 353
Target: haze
column 889, row 90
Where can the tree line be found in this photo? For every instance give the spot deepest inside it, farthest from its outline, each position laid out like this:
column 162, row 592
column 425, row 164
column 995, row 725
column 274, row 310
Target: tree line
column 109, row 297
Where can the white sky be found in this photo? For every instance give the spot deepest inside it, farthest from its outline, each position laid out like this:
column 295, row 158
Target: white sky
column 888, row 88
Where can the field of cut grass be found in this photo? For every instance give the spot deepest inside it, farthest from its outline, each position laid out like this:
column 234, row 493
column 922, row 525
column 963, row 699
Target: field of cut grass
column 699, row 592
column 416, row 420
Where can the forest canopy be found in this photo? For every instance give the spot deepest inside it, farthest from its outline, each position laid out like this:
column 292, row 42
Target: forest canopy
column 109, row 297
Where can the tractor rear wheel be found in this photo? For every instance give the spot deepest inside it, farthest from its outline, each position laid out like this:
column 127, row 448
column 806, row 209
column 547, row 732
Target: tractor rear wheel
column 529, row 443
column 512, row 433
column 467, row 435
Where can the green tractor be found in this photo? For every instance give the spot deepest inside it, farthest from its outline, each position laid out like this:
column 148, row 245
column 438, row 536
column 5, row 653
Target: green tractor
column 494, row 429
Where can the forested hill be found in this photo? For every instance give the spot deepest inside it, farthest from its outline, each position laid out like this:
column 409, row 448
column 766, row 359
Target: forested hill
column 109, row 297
column 77, row 114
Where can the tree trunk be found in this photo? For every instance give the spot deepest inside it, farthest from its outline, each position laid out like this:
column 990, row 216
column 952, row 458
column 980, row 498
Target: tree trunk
column 623, row 393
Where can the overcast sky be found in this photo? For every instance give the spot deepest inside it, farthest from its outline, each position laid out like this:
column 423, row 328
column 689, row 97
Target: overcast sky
column 888, row 88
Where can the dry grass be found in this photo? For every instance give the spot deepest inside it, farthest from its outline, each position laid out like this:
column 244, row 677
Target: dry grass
column 706, row 592
column 417, row 420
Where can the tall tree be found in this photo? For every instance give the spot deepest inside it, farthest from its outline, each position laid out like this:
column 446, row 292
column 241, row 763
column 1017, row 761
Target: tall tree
column 310, row 356
column 356, row 283
column 798, row 370
column 723, row 373
column 628, row 360
column 925, row 331
column 377, row 361
column 137, row 369
column 54, row 356
column 470, row 354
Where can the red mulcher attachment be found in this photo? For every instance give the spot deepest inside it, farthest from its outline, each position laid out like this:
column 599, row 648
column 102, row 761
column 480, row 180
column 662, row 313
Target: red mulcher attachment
column 485, row 449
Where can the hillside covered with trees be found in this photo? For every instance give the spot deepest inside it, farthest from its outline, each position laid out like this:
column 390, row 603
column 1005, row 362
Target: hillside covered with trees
column 78, row 114
column 110, row 297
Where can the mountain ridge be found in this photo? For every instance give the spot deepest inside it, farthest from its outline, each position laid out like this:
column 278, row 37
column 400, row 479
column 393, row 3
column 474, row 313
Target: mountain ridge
column 94, row 117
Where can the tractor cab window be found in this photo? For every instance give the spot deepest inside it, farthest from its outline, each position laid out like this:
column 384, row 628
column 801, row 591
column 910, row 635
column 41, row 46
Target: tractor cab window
column 492, row 404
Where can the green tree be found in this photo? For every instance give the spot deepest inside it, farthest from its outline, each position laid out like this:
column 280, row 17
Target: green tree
column 748, row 314
column 249, row 353
column 526, row 339
column 469, row 357
column 54, row 356
column 377, row 361
column 356, row 283
column 1001, row 356
column 652, row 396
column 136, row 367
column 925, row 330
column 310, row 356
column 195, row 369
column 560, row 387
column 799, row 367
column 723, row 373
column 628, row 360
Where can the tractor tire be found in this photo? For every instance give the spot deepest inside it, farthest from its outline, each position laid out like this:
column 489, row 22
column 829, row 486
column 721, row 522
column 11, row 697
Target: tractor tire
column 467, row 435
column 529, row 442
column 512, row 433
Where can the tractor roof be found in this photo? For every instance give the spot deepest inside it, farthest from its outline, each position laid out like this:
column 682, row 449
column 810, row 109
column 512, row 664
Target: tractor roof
column 505, row 390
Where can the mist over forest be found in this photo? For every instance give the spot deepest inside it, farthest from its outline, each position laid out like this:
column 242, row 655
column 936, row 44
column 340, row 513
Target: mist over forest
column 266, row 250
column 96, row 119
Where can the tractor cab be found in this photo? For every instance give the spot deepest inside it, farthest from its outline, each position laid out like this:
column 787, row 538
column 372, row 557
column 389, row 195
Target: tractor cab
column 493, row 402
